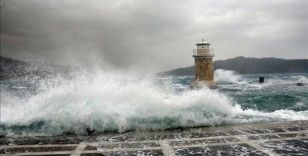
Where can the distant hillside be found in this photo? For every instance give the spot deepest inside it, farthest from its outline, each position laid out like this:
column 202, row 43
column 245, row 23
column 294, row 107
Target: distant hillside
column 11, row 68
column 244, row 65
column 16, row 69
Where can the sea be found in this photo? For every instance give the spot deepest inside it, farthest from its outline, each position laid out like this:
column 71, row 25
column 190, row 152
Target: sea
column 120, row 101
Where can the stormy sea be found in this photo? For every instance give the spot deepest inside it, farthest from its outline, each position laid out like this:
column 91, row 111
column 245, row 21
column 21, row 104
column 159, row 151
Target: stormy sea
column 120, row 101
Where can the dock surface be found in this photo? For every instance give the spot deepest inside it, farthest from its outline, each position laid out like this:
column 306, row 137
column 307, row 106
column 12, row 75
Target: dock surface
column 268, row 138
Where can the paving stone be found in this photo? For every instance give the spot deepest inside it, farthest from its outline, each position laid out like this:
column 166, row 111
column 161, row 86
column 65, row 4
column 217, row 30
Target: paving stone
column 127, row 145
column 288, row 135
column 203, row 141
column 139, row 153
column 42, row 140
column 90, row 147
column 38, row 149
column 275, row 130
column 56, row 155
column 233, row 132
column 256, row 131
column 223, row 150
column 93, row 154
column 259, row 137
column 295, row 129
column 288, row 147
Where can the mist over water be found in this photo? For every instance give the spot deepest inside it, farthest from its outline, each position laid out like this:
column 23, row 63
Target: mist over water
column 120, row 101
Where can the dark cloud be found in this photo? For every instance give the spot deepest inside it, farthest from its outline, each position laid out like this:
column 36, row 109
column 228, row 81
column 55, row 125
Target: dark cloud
column 151, row 33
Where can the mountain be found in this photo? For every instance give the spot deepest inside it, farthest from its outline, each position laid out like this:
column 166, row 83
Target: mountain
column 16, row 69
column 246, row 65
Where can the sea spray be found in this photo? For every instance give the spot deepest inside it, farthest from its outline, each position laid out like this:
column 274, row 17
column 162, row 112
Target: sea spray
column 116, row 102
column 228, row 76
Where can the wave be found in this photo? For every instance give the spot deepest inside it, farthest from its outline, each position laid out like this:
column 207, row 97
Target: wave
column 119, row 102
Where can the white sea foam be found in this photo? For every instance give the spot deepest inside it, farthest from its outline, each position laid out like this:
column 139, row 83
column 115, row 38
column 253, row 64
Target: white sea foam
column 253, row 115
column 300, row 78
column 230, row 76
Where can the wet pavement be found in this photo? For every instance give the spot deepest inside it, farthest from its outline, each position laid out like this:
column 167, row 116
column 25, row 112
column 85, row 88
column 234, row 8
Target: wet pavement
column 268, row 138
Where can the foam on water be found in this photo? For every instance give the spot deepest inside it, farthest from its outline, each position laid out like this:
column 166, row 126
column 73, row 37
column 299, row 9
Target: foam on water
column 117, row 101
column 229, row 76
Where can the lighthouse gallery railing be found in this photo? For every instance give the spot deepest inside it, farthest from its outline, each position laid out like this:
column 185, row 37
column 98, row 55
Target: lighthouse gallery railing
column 203, row 52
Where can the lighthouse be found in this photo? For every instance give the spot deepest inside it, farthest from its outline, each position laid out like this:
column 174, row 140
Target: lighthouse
column 204, row 70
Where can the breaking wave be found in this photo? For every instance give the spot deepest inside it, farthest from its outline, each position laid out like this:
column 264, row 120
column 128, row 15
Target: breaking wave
column 119, row 102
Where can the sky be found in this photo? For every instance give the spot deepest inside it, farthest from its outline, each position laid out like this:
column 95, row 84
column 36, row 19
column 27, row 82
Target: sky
column 151, row 34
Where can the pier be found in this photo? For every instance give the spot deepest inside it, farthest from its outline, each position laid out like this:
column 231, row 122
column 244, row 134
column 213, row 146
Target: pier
column 267, row 138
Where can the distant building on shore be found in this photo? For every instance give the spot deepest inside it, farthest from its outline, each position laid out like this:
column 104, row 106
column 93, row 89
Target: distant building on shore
column 204, row 70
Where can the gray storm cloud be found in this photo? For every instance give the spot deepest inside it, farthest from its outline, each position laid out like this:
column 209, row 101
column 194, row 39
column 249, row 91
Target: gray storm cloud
column 151, row 33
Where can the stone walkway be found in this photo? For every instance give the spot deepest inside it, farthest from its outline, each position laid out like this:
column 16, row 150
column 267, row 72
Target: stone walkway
column 270, row 138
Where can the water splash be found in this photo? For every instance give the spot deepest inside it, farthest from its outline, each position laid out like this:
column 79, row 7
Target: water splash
column 228, row 76
column 117, row 102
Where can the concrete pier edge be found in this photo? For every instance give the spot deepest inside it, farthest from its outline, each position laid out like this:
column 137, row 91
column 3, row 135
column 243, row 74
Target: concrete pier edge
column 251, row 138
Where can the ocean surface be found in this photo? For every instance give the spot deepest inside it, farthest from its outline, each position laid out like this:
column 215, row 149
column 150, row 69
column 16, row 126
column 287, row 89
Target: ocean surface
column 126, row 101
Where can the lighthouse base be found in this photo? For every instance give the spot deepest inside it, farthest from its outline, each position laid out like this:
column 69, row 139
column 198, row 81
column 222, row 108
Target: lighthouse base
column 201, row 84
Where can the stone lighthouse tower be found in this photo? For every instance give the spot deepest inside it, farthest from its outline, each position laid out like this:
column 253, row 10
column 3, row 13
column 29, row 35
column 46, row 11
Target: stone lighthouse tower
column 204, row 70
